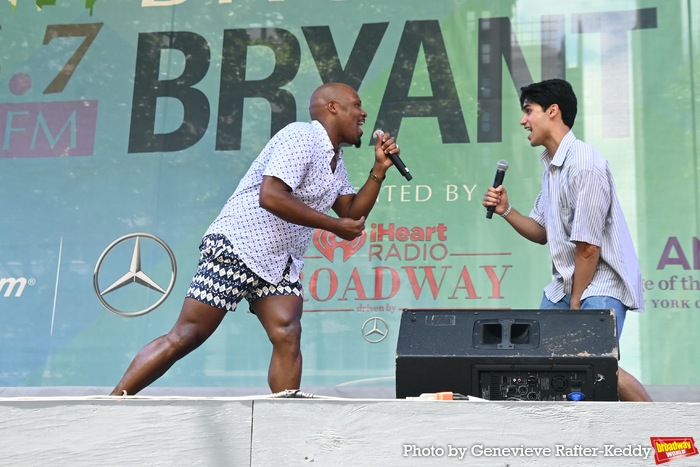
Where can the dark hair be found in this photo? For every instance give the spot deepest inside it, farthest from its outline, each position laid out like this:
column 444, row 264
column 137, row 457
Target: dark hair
column 552, row 91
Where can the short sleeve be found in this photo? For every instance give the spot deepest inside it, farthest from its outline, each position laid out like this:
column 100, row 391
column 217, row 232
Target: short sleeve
column 537, row 212
column 592, row 194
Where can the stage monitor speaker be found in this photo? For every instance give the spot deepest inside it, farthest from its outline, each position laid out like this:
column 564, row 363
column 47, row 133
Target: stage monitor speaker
column 534, row 355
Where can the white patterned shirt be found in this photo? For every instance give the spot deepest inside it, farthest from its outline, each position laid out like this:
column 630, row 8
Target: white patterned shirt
column 300, row 155
column 578, row 203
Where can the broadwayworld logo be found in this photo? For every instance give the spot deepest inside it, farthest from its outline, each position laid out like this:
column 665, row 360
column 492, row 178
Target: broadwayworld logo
column 672, row 448
column 14, row 286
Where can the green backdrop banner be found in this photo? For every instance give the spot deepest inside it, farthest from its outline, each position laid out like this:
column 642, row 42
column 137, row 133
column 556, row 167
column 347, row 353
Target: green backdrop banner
column 125, row 126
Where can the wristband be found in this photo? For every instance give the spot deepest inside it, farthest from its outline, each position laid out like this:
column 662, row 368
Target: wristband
column 507, row 211
column 375, row 178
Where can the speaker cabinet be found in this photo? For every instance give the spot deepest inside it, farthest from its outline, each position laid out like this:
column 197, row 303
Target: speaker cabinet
column 535, row 355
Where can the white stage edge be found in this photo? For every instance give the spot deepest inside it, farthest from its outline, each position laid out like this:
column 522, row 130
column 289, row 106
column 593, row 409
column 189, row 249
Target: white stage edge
column 323, row 431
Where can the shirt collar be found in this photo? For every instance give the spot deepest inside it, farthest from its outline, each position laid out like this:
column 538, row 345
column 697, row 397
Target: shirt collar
column 327, row 143
column 562, row 151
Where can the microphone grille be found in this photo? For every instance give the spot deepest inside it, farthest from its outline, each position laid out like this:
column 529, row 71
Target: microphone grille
column 502, row 165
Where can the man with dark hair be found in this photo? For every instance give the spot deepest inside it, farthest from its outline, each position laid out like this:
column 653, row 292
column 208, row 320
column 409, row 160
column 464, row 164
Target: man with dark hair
column 578, row 215
column 254, row 248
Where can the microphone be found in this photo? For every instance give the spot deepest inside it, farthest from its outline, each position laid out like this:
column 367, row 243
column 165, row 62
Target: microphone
column 501, row 168
column 398, row 163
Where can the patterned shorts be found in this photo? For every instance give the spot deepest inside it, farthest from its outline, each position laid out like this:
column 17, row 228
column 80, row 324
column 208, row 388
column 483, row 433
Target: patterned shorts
column 222, row 279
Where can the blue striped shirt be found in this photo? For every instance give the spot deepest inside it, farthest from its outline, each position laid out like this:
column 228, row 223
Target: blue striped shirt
column 578, row 203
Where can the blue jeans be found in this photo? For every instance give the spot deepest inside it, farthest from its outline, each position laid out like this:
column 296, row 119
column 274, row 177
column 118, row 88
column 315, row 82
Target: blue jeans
column 591, row 303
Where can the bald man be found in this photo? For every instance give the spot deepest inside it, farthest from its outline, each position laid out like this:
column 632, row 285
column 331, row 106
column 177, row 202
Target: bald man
column 254, row 248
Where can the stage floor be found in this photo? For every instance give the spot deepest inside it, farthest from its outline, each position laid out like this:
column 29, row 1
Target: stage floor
column 326, row 431
column 659, row 393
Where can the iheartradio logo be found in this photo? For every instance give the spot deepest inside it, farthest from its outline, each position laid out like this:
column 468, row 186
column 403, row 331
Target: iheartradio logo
column 327, row 242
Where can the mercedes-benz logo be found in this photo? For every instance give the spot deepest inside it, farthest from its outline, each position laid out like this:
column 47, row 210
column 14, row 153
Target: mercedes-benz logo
column 162, row 268
column 375, row 330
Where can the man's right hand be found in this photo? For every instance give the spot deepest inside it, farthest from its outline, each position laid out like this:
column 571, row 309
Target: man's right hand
column 497, row 197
